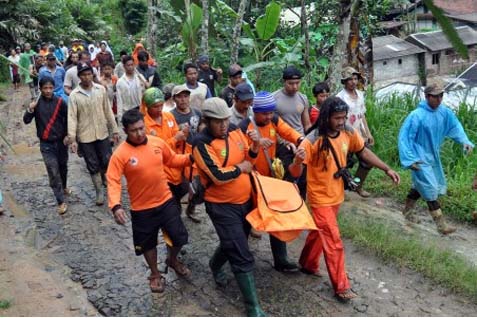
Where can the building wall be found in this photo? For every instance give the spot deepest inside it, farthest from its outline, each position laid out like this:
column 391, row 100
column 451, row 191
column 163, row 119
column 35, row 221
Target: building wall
column 449, row 62
column 394, row 70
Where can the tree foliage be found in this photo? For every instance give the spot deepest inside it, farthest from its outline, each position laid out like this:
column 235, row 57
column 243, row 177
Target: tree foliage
column 134, row 14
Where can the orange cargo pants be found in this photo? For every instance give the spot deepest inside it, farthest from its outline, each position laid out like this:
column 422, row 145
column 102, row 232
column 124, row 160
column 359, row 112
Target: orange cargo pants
column 326, row 240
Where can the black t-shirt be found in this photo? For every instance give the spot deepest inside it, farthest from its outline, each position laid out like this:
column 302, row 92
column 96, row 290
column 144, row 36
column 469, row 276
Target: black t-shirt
column 227, row 94
column 192, row 118
column 208, row 78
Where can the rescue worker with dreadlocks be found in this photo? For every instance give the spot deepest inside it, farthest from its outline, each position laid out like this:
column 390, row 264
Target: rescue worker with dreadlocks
column 270, row 126
column 325, row 188
column 420, row 139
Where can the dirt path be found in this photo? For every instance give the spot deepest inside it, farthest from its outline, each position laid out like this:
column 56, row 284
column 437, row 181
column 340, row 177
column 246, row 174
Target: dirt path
column 99, row 255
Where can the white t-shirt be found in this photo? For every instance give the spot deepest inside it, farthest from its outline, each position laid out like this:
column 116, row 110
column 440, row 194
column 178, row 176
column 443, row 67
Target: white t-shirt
column 357, row 111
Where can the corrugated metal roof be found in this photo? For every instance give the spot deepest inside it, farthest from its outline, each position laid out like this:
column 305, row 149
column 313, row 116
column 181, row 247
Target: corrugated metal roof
column 469, row 17
column 389, row 46
column 437, row 41
column 452, row 98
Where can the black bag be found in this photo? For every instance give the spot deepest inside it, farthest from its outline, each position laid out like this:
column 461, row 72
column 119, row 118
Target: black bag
column 196, row 188
column 350, row 183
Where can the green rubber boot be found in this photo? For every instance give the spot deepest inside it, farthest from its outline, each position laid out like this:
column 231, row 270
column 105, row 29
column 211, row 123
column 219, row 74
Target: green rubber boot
column 216, row 263
column 280, row 257
column 246, row 283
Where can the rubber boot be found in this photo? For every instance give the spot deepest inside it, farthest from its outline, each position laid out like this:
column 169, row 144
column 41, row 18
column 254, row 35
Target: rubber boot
column 280, row 257
column 98, row 186
column 441, row 223
column 216, row 263
column 408, row 211
column 246, row 283
column 362, row 174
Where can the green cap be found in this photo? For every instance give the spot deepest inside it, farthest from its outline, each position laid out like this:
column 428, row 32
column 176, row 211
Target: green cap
column 153, row 95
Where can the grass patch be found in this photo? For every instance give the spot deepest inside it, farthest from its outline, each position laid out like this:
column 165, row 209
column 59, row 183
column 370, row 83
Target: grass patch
column 5, row 304
column 387, row 242
column 385, row 119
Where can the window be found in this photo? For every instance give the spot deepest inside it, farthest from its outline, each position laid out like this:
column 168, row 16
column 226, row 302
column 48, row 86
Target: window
column 435, row 58
column 384, row 63
column 400, row 61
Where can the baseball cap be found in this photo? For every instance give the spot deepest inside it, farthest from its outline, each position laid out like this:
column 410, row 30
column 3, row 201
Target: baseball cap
column 216, row 107
column 179, row 89
column 203, row 59
column 435, row 88
column 348, row 73
column 243, row 91
column 153, row 95
column 264, row 102
column 167, row 90
column 291, row 72
column 83, row 66
column 235, row 70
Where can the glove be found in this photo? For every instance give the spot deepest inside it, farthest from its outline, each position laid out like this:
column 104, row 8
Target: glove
column 278, row 169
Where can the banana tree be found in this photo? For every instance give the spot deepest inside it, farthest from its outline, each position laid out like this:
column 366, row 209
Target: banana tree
column 190, row 27
column 265, row 28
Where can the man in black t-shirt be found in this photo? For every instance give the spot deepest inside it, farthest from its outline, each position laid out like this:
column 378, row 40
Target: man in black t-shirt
column 207, row 74
column 189, row 120
column 235, row 78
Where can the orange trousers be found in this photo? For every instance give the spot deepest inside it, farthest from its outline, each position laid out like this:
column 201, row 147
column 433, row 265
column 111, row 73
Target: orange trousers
column 326, row 240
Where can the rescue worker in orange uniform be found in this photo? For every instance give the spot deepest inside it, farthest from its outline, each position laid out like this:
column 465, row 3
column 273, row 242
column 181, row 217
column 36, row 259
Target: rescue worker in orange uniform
column 142, row 159
column 224, row 161
column 325, row 189
column 163, row 125
column 270, row 127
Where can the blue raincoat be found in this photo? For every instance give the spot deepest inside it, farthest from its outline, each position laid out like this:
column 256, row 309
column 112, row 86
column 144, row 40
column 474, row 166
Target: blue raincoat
column 420, row 140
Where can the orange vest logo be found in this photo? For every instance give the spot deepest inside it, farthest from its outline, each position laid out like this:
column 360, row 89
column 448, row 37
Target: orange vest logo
column 133, row 161
column 223, row 153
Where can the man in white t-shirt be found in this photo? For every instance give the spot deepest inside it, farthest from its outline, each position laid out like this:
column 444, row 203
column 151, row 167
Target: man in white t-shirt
column 356, row 119
column 130, row 87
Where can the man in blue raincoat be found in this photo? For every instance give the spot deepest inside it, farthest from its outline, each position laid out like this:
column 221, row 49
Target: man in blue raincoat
column 420, row 140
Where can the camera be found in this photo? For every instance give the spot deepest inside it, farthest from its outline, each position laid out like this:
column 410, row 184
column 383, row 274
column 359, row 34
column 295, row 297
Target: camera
column 350, row 183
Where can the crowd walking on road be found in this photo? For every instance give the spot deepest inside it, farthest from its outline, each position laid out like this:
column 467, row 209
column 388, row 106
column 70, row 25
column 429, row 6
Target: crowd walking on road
column 177, row 143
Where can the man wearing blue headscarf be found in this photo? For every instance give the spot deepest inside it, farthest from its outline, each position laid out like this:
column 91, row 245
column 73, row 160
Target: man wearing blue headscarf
column 420, row 140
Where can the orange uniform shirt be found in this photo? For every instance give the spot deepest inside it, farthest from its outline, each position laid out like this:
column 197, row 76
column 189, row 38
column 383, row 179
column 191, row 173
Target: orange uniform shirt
column 323, row 189
column 277, row 127
column 143, row 166
column 225, row 184
column 166, row 131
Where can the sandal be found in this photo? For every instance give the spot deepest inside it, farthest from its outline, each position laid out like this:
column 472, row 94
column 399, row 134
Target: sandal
column 346, row 296
column 178, row 267
column 157, row 283
column 308, row 272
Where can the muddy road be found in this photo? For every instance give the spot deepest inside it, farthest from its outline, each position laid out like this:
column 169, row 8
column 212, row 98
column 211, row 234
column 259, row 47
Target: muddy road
column 93, row 254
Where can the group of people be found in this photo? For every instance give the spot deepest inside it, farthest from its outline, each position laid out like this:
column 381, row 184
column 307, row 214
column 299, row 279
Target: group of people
column 177, row 132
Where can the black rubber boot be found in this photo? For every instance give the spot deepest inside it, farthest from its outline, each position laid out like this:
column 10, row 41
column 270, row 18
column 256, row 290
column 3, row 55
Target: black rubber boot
column 216, row 263
column 280, row 257
column 246, row 283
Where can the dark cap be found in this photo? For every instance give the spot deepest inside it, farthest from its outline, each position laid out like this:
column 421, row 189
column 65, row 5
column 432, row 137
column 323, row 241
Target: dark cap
column 203, row 59
column 291, row 72
column 83, row 66
column 243, row 91
column 50, row 56
column 235, row 70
